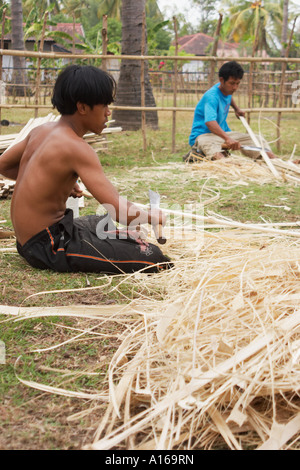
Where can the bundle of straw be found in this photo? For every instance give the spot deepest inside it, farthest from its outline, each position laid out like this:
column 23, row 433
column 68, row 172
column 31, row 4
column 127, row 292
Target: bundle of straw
column 209, row 355
column 237, row 167
column 215, row 363
column 6, row 188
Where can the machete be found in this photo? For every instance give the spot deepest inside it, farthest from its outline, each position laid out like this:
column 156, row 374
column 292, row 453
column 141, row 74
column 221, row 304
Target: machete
column 249, row 147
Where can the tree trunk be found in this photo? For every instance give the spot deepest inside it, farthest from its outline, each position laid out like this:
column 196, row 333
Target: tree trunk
column 19, row 72
column 129, row 86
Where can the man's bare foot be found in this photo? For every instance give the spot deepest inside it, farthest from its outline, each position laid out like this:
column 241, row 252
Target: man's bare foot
column 218, row 156
column 271, row 155
column 297, row 162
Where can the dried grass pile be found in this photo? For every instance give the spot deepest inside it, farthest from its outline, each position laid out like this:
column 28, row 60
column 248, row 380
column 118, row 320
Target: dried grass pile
column 209, row 356
column 235, row 168
column 215, row 363
column 243, row 169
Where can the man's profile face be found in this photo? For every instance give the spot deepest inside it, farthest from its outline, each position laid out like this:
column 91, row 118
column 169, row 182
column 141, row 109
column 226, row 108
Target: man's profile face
column 229, row 86
column 99, row 115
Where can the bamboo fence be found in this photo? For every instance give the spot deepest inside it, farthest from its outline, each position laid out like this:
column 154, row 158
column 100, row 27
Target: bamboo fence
column 258, row 87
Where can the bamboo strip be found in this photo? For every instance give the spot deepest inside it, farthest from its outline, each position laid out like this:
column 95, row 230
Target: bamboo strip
column 280, row 434
column 228, row 223
column 60, row 391
column 158, row 108
column 245, row 354
column 258, row 144
column 53, row 55
column 9, row 140
column 207, row 358
column 289, row 166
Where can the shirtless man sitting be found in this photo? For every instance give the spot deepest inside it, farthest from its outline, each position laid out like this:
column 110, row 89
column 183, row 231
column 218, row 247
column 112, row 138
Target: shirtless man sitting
column 46, row 166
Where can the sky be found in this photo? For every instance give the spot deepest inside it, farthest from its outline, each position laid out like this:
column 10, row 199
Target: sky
column 171, row 7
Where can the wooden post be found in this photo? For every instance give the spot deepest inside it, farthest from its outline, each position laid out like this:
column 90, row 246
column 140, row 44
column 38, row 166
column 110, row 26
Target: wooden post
column 251, row 70
column 214, row 50
column 281, row 88
column 163, row 88
column 175, row 88
column 1, row 57
column 38, row 72
column 143, row 100
column 104, row 41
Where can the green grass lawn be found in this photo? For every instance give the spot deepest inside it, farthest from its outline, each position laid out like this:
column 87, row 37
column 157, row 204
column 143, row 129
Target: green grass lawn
column 31, row 419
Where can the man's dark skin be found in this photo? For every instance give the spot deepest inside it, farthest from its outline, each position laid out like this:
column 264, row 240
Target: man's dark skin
column 46, row 166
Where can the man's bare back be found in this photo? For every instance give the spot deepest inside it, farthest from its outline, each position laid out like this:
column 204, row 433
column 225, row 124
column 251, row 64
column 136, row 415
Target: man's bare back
column 45, row 180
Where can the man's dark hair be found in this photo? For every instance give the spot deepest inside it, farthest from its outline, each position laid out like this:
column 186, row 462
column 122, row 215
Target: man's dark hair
column 231, row 69
column 85, row 84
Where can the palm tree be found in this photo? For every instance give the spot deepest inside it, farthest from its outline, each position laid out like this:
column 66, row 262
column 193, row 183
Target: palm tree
column 112, row 8
column 19, row 72
column 129, row 86
column 40, row 6
column 247, row 17
column 284, row 25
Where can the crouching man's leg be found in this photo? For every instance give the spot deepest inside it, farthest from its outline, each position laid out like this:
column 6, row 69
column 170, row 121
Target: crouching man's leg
column 211, row 145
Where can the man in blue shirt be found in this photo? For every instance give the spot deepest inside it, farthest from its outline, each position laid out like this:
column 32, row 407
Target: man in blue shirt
column 210, row 132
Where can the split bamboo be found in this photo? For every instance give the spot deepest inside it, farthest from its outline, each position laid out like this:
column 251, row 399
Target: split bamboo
column 257, row 143
column 53, row 55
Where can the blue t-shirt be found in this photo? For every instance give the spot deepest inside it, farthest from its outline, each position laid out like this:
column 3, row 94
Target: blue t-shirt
column 213, row 106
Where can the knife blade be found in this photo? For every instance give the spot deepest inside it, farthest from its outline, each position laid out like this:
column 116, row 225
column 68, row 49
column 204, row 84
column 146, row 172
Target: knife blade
column 250, row 147
column 158, row 229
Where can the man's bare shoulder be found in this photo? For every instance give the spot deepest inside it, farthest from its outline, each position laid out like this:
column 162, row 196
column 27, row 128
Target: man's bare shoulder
column 57, row 136
column 62, row 144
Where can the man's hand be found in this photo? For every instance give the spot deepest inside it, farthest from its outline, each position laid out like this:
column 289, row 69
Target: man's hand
column 239, row 112
column 157, row 217
column 76, row 191
column 232, row 144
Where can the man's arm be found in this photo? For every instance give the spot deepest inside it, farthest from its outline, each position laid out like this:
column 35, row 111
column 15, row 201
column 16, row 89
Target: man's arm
column 10, row 160
column 238, row 111
column 88, row 167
